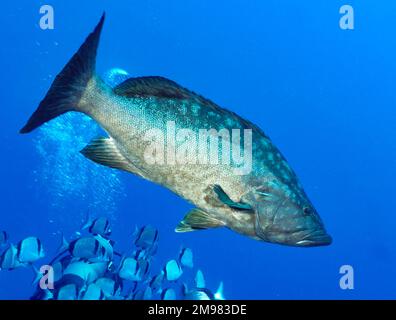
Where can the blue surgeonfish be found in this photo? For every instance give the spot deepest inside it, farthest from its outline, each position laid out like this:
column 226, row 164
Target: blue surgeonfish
column 30, row 250
column 100, row 226
column 200, row 280
column 156, row 282
column 172, row 270
column 87, row 271
column 134, row 270
column 168, row 294
column 92, row 248
column 9, row 259
column 69, row 287
column 147, row 238
column 254, row 192
column 186, row 258
column 129, row 270
column 86, row 248
column 92, row 292
column 76, row 275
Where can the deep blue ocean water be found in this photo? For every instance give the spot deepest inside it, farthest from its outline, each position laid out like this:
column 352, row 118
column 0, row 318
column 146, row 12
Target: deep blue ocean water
column 324, row 95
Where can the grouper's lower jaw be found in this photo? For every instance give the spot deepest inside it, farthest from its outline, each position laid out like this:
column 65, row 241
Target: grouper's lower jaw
column 313, row 239
column 317, row 238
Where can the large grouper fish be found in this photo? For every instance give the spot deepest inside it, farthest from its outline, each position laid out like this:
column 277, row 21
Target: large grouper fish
column 265, row 203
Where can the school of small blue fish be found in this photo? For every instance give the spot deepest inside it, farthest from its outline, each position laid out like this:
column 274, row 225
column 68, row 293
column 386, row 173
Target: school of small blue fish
column 89, row 268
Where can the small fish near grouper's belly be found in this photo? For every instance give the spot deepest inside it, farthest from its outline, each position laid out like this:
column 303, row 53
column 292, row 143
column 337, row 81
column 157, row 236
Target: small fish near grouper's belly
column 223, row 164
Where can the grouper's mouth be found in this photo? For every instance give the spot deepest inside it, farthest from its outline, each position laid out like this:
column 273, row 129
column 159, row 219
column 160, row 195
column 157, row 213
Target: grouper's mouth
column 316, row 238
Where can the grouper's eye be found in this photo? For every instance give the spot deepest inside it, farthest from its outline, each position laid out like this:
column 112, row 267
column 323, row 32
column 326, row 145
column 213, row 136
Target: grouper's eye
column 307, row 211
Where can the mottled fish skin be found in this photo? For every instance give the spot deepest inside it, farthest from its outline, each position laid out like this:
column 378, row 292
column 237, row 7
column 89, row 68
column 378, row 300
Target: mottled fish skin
column 267, row 203
column 126, row 120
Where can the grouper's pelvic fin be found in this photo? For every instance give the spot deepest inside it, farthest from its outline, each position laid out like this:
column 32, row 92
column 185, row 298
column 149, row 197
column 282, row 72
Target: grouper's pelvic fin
column 68, row 86
column 198, row 219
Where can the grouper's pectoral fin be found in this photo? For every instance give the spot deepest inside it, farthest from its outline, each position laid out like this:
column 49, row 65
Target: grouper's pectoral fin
column 225, row 199
column 198, row 219
column 105, row 152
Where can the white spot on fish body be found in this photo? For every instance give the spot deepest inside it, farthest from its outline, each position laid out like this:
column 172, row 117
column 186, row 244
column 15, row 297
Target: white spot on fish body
column 230, row 122
column 195, row 109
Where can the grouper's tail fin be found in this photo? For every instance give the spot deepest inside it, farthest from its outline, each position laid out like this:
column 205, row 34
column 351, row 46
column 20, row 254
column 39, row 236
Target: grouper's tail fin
column 69, row 84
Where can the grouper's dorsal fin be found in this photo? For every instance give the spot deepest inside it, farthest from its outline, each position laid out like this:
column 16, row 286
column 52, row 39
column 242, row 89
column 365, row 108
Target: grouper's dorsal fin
column 105, row 152
column 160, row 87
column 151, row 87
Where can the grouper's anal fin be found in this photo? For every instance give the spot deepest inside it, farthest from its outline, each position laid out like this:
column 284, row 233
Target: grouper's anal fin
column 198, row 219
column 104, row 151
